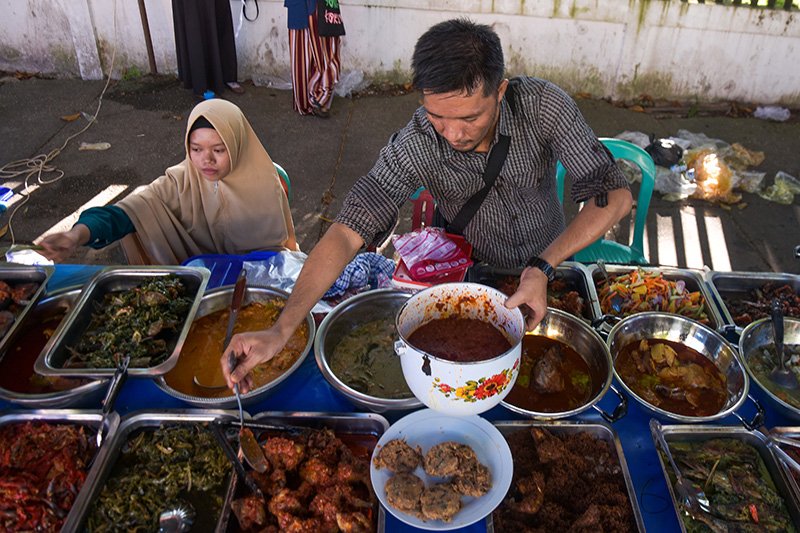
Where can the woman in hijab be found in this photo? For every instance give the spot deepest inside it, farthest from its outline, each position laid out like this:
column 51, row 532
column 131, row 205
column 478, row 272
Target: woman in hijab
column 225, row 197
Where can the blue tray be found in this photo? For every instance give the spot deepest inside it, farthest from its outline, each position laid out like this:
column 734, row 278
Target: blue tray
column 225, row 268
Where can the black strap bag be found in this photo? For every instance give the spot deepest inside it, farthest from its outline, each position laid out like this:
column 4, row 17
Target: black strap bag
column 329, row 18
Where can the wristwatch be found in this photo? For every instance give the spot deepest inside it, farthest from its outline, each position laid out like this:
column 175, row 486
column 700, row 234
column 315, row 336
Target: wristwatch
column 544, row 266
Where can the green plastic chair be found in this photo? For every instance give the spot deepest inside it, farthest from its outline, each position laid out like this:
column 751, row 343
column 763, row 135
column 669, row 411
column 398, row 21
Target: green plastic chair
column 287, row 185
column 610, row 251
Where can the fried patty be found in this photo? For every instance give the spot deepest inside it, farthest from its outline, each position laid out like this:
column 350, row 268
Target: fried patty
column 474, row 481
column 448, row 458
column 440, row 502
column 403, row 492
column 397, row 456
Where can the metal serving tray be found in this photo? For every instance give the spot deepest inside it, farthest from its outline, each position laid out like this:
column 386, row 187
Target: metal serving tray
column 108, row 280
column 88, row 394
column 24, row 274
column 357, row 424
column 575, row 274
column 792, row 432
column 113, row 446
column 692, row 278
column 90, row 419
column 737, row 284
column 598, row 429
column 698, row 433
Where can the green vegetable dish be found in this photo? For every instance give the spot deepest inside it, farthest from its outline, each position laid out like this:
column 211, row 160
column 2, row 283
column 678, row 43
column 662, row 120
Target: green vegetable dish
column 140, row 322
column 739, row 488
column 160, row 469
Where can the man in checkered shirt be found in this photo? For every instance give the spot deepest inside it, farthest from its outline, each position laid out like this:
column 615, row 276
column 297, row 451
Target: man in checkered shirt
column 467, row 105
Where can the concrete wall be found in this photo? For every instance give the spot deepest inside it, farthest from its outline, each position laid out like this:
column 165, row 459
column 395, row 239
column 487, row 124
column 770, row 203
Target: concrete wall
column 611, row 48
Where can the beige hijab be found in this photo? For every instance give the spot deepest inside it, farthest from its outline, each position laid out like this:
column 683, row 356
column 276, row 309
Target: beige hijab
column 182, row 214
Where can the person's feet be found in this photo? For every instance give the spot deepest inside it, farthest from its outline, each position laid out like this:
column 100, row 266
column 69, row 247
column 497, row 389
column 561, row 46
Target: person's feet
column 235, row 87
column 317, row 110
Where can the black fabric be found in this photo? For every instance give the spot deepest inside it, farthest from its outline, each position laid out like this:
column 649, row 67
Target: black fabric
column 329, row 18
column 204, row 44
column 664, row 152
column 201, row 122
column 497, row 157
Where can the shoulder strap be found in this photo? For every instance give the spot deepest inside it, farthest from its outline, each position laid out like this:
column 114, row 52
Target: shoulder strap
column 497, row 157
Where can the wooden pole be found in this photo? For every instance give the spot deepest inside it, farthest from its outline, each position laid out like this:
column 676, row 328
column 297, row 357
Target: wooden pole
column 148, row 41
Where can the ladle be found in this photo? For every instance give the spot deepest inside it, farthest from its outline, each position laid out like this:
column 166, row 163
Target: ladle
column 781, row 376
column 178, row 519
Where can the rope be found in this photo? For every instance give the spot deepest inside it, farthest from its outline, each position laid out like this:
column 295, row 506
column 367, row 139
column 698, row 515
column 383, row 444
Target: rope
column 40, row 165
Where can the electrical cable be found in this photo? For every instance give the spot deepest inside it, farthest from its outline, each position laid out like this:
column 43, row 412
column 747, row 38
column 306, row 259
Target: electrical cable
column 40, row 165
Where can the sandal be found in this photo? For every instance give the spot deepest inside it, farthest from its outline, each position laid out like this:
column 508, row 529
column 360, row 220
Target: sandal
column 235, row 87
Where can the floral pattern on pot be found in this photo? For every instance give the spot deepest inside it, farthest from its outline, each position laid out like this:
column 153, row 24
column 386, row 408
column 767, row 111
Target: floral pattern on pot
column 481, row 389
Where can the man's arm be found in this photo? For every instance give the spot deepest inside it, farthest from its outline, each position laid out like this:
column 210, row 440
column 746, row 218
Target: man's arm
column 324, row 264
column 591, row 223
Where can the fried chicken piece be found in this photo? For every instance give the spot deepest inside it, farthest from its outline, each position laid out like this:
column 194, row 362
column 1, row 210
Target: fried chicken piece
column 290, row 523
column 353, row 523
column 317, row 473
column 249, row 511
column 474, row 481
column 440, row 502
column 351, row 470
column 397, row 456
column 286, row 501
column 403, row 492
column 283, row 453
column 22, row 293
column 446, row 458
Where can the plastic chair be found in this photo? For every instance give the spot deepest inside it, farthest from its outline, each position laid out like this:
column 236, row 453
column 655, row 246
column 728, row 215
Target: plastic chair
column 610, row 251
column 287, row 184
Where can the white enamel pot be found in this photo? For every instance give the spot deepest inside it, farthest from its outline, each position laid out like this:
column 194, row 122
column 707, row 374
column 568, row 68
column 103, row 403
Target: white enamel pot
column 458, row 388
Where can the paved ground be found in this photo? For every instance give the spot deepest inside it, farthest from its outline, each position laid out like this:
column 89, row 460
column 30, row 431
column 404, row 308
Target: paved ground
column 144, row 121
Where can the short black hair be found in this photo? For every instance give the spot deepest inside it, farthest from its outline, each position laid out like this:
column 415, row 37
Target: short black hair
column 458, row 55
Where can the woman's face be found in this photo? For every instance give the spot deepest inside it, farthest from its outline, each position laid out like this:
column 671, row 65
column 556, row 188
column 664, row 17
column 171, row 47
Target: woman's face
column 209, row 154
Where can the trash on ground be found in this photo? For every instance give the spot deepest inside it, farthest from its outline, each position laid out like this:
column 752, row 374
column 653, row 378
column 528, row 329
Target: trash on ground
column 94, row 146
column 772, row 112
column 783, row 190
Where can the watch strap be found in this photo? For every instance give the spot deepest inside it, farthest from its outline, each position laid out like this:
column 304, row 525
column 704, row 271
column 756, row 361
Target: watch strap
column 544, row 266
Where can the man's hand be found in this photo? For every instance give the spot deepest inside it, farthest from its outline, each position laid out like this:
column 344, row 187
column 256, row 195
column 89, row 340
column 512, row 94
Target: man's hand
column 251, row 349
column 532, row 292
column 60, row 246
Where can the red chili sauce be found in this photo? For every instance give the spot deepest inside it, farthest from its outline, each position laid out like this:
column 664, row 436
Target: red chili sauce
column 462, row 340
column 16, row 364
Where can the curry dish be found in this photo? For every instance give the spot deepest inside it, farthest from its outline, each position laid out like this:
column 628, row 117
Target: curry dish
column 202, row 350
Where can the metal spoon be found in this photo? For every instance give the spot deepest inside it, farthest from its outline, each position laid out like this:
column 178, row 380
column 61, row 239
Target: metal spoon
column 209, row 387
column 176, row 520
column 251, row 450
column 692, row 498
column 781, row 376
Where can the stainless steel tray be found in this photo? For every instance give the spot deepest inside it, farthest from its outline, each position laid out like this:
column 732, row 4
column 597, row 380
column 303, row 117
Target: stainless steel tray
column 357, row 424
column 698, row 433
column 599, row 430
column 792, row 432
column 574, row 274
column 113, row 446
column 112, row 279
column 89, row 393
column 737, row 285
column 216, row 300
column 90, row 419
column 692, row 278
column 24, row 274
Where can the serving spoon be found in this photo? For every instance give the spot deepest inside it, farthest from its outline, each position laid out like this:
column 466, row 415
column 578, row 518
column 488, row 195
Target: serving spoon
column 780, row 375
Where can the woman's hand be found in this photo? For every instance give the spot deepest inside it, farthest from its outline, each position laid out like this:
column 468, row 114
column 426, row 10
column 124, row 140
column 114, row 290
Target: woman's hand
column 59, row 246
column 251, row 349
column 532, row 292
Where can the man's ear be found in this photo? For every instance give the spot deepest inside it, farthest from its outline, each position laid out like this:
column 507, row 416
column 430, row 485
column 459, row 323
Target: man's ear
column 501, row 91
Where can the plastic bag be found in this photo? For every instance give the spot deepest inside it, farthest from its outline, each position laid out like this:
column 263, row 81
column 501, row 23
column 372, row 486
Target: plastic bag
column 665, row 152
column 698, row 140
column 673, row 185
column 748, row 181
column 350, row 81
column 713, row 176
column 783, row 190
column 634, row 137
column 429, row 253
column 772, row 112
column 280, row 271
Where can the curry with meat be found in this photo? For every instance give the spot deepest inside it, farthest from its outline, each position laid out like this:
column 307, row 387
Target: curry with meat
column 672, row 377
column 461, row 340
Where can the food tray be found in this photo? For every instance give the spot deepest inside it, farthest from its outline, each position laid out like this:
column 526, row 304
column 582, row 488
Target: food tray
column 111, row 279
column 24, row 274
column 89, row 393
column 792, row 432
column 113, row 446
column 599, row 430
column 698, row 433
column 574, row 274
column 368, row 425
column 91, row 419
column 220, row 299
column 693, row 279
column 737, row 284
